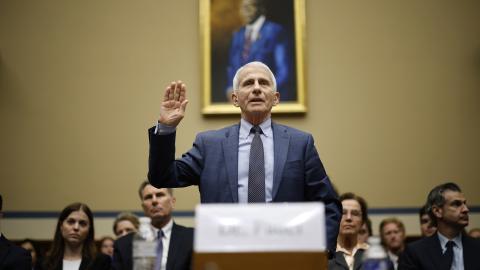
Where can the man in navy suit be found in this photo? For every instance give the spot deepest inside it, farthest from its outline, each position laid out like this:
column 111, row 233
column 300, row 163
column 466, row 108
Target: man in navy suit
column 265, row 41
column 12, row 256
column 449, row 248
column 177, row 240
column 220, row 162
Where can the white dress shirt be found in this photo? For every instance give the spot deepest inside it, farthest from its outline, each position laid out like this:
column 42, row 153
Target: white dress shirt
column 457, row 263
column 167, row 233
column 253, row 29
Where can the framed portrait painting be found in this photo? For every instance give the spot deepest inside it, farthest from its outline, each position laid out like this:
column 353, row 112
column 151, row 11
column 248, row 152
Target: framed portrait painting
column 236, row 32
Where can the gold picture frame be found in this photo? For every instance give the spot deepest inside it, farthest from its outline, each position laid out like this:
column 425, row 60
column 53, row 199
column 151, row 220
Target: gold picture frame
column 221, row 18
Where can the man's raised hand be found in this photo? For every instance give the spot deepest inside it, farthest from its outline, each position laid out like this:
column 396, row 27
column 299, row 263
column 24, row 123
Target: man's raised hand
column 172, row 108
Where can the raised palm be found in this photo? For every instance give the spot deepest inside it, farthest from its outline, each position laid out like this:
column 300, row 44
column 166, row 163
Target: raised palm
column 174, row 103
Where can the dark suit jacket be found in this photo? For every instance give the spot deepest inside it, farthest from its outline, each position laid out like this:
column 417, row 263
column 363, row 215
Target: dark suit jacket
column 338, row 261
column 13, row 257
column 426, row 254
column 179, row 252
column 101, row 262
column 212, row 164
column 273, row 47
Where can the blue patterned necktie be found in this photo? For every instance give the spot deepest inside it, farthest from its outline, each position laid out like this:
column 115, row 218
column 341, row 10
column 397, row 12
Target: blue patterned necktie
column 256, row 169
column 158, row 259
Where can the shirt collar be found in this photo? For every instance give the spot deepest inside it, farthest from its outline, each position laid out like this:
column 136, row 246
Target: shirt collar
column 254, row 27
column 363, row 246
column 167, row 229
column 443, row 240
column 245, row 128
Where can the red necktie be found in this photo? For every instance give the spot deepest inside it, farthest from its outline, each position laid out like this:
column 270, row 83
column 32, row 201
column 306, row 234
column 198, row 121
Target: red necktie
column 246, row 45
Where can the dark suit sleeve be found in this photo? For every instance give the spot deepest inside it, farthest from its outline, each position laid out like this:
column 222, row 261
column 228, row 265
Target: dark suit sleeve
column 319, row 188
column 120, row 253
column 166, row 172
column 18, row 259
column 408, row 260
column 102, row 262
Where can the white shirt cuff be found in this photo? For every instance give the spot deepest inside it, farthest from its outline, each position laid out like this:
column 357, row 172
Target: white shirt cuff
column 161, row 129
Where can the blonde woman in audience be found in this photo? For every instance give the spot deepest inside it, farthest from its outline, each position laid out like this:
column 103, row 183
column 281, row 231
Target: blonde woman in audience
column 125, row 223
column 73, row 246
column 392, row 234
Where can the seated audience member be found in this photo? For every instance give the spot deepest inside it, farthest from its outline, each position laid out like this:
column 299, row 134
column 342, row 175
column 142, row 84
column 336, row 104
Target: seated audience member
column 176, row 240
column 73, row 244
column 392, row 235
column 426, row 226
column 349, row 251
column 106, row 245
column 449, row 248
column 474, row 233
column 125, row 223
column 12, row 256
column 31, row 246
column 365, row 231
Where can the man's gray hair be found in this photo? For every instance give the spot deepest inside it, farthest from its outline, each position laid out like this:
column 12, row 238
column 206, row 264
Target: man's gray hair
column 436, row 198
column 236, row 81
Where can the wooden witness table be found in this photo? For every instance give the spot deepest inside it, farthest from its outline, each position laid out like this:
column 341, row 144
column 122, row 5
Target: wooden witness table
column 260, row 261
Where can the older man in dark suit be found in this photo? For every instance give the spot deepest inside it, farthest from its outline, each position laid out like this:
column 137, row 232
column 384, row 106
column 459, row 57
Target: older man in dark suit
column 177, row 240
column 11, row 256
column 255, row 160
column 449, row 248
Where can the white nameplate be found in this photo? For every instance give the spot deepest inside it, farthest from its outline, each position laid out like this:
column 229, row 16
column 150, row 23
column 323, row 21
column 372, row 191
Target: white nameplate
column 260, row 227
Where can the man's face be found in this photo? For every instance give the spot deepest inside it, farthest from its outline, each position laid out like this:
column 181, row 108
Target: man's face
column 255, row 95
column 157, row 203
column 351, row 218
column 426, row 227
column 249, row 11
column 454, row 213
column 393, row 237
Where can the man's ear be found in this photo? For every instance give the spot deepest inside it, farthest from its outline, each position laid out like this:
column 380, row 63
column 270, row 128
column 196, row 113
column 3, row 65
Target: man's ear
column 174, row 200
column 235, row 99
column 437, row 211
column 276, row 98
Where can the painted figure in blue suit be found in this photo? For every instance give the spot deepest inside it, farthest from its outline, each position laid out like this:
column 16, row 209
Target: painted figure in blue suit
column 220, row 163
column 265, row 41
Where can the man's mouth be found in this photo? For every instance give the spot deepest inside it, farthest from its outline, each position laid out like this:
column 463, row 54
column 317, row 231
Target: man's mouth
column 253, row 100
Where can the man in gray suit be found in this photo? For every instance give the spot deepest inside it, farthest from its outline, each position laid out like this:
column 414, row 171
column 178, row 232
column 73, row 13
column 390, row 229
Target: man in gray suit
column 255, row 160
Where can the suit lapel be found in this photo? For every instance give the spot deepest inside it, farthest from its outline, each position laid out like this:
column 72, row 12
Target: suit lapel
column 340, row 260
column 230, row 152
column 470, row 257
column 281, row 140
column 435, row 252
column 173, row 247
